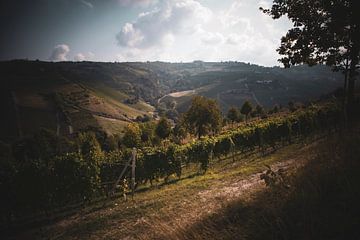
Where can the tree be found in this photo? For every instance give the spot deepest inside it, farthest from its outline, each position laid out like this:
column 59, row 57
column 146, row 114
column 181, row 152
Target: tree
column 275, row 109
column 292, row 106
column 132, row 135
column 246, row 109
column 324, row 32
column 233, row 114
column 91, row 157
column 163, row 128
column 88, row 144
column 179, row 132
column 203, row 115
column 259, row 110
column 147, row 132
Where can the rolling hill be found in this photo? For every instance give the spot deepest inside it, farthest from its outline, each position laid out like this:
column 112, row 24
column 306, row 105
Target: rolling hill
column 233, row 83
column 71, row 96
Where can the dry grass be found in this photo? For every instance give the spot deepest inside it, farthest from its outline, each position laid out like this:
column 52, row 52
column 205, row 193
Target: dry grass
column 168, row 211
column 110, row 125
column 322, row 202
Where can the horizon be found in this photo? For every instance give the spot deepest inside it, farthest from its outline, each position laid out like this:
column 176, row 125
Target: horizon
column 140, row 31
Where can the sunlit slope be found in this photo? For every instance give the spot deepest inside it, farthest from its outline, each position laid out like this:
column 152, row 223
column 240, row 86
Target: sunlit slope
column 80, row 95
column 64, row 96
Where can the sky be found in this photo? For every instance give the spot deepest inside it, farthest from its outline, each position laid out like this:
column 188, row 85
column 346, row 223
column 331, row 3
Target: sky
column 140, row 30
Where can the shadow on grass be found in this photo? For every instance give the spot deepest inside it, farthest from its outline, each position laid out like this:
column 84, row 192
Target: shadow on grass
column 323, row 202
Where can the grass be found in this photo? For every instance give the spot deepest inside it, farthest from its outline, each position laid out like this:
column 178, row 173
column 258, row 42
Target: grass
column 116, row 98
column 173, row 206
column 111, row 126
column 322, row 202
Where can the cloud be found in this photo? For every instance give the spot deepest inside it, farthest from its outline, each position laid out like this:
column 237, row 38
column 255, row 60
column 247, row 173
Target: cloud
column 212, row 38
column 79, row 57
column 233, row 39
column 136, row 3
column 185, row 30
column 169, row 18
column 87, row 3
column 84, row 56
column 59, row 53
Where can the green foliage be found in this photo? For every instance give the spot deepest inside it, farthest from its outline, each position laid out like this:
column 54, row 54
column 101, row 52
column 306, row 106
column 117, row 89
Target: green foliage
column 259, row 110
column 323, row 32
column 155, row 163
column 132, row 135
column 179, row 132
column 163, row 128
column 46, row 180
column 203, row 116
column 75, row 178
column 246, row 109
column 200, row 151
column 234, row 114
column 274, row 110
column 292, row 106
column 321, row 35
column 147, row 133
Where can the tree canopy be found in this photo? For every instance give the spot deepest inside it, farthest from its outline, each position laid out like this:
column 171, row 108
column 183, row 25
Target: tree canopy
column 246, row 109
column 234, row 114
column 163, row 128
column 324, row 31
column 203, row 116
column 132, row 135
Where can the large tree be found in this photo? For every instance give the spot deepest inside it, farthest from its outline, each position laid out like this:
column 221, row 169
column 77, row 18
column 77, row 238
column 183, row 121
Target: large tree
column 324, row 31
column 203, row 116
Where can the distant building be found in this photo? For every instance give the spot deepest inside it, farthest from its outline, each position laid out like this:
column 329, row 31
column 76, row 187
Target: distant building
column 264, row 81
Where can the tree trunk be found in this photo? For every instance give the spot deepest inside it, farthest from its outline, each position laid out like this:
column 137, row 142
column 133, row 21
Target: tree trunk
column 346, row 75
column 354, row 54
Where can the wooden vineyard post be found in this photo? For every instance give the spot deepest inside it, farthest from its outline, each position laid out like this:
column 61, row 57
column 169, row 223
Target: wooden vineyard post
column 120, row 176
column 232, row 149
column 133, row 165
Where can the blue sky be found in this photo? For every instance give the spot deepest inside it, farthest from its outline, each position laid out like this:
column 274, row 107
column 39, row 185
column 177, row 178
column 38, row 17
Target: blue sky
column 140, row 30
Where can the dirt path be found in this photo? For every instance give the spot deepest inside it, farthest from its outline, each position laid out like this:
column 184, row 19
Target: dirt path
column 165, row 210
column 210, row 201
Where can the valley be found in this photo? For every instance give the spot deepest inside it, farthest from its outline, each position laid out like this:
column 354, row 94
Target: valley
column 108, row 96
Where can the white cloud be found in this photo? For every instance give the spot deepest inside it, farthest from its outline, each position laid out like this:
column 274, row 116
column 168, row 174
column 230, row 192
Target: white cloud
column 212, row 38
column 233, row 39
column 84, row 56
column 169, row 18
column 87, row 3
column 79, row 57
column 130, row 36
column 59, row 53
column 185, row 30
column 136, row 3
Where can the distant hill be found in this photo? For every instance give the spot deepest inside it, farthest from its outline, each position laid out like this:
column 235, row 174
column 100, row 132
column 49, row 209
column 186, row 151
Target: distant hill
column 68, row 97
column 71, row 96
column 232, row 83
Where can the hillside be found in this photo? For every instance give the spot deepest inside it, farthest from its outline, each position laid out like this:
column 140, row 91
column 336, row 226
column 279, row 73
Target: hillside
column 233, row 83
column 232, row 202
column 240, row 178
column 67, row 97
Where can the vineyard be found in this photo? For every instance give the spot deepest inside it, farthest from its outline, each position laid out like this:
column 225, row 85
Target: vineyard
column 37, row 184
column 162, row 162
